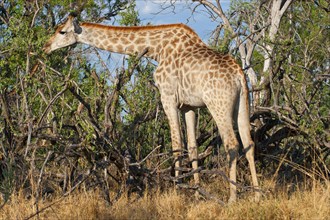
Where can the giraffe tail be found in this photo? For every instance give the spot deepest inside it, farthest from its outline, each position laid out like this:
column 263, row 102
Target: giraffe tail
column 243, row 122
column 243, row 115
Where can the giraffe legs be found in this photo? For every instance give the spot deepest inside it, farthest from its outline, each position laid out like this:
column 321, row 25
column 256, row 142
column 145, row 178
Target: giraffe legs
column 189, row 117
column 250, row 157
column 249, row 153
column 243, row 122
column 226, row 130
column 225, row 126
column 172, row 114
column 231, row 147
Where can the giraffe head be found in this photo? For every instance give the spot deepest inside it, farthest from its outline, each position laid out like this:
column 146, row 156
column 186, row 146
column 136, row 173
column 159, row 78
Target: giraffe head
column 65, row 35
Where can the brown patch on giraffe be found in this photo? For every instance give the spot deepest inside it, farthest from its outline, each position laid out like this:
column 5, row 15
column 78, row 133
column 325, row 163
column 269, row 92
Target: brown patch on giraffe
column 131, row 37
column 177, row 63
column 139, row 41
column 119, row 48
column 225, row 65
column 184, row 38
column 143, row 34
column 141, row 47
column 214, row 62
column 189, row 60
column 175, row 41
column 130, row 48
column 209, row 53
column 179, row 48
column 165, row 42
column 125, row 41
column 168, row 50
column 231, row 62
column 189, row 50
column 114, row 40
column 158, row 78
column 106, row 42
column 191, row 43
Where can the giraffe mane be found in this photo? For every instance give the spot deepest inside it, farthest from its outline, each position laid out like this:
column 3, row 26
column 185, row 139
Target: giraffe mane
column 141, row 28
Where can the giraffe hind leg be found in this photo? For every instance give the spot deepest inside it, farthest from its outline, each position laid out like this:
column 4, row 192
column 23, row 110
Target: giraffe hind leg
column 243, row 123
column 224, row 122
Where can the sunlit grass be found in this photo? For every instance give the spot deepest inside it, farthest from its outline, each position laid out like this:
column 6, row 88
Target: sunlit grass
column 173, row 204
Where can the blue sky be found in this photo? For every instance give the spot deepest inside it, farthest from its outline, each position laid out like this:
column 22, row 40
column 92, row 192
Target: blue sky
column 200, row 20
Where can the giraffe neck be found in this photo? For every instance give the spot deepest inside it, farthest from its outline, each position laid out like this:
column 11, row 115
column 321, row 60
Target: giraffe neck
column 132, row 40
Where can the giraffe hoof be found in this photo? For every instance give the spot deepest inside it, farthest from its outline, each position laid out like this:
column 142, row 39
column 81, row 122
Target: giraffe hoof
column 231, row 201
column 257, row 197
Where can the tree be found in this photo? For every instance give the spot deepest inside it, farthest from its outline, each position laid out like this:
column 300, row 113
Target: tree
column 62, row 120
column 71, row 119
column 275, row 43
column 278, row 43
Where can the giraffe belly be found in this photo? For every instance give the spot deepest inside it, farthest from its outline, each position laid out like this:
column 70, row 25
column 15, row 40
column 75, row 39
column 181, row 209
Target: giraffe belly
column 190, row 99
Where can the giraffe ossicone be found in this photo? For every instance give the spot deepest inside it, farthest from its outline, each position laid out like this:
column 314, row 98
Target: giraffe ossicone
column 189, row 75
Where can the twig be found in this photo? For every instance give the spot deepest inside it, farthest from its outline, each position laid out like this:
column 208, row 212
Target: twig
column 221, row 173
column 210, row 196
column 274, row 109
column 202, row 192
column 205, row 153
column 144, row 159
column 199, row 169
column 63, row 196
column 52, row 69
column 51, row 103
column 29, row 117
column 40, row 177
column 35, row 14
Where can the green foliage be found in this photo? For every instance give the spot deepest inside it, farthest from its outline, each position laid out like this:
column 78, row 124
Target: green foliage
column 295, row 89
column 129, row 17
column 7, row 183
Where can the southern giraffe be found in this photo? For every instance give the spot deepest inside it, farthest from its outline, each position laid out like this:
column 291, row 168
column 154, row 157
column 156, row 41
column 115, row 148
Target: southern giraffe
column 189, row 75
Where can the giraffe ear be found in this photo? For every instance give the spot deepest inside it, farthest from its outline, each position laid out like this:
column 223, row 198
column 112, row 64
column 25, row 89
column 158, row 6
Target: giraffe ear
column 77, row 28
column 73, row 17
column 73, row 14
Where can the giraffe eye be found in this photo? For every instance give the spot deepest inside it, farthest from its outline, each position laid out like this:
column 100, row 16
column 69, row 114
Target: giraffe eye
column 62, row 32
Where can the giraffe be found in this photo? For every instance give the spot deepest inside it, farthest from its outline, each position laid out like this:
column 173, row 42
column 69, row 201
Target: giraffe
column 189, row 75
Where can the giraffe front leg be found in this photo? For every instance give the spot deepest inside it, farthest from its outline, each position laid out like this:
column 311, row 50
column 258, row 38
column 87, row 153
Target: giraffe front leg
column 172, row 114
column 189, row 117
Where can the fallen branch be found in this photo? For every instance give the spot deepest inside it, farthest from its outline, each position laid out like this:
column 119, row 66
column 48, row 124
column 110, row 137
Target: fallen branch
column 144, row 159
column 221, row 173
column 201, row 192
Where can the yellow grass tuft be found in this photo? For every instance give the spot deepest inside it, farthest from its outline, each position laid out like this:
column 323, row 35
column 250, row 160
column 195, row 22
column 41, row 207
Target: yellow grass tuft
column 307, row 204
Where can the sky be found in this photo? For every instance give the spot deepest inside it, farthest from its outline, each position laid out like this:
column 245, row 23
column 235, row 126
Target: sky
column 150, row 11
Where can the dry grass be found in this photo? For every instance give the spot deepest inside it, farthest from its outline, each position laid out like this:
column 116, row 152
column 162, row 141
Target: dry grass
column 307, row 204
